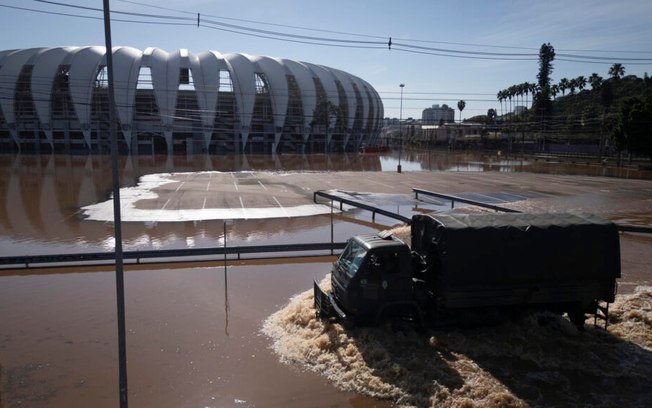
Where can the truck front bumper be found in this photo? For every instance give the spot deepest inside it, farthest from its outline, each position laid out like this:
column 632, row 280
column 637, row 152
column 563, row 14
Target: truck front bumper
column 325, row 304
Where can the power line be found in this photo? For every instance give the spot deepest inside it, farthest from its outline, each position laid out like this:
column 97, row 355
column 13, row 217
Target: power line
column 379, row 43
column 93, row 17
column 536, row 49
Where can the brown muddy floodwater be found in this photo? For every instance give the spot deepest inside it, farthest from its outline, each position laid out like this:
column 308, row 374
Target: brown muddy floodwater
column 202, row 335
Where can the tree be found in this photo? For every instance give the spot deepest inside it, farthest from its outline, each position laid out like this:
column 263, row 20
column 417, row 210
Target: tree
column 532, row 88
column 581, row 82
column 491, row 115
column 554, row 90
column 509, row 93
column 606, row 99
column 572, row 84
column 461, row 105
column 595, row 81
column 633, row 122
column 542, row 101
column 564, row 84
column 617, row 71
column 501, row 98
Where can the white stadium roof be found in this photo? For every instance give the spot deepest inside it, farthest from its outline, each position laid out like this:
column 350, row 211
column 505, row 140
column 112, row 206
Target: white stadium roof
column 84, row 64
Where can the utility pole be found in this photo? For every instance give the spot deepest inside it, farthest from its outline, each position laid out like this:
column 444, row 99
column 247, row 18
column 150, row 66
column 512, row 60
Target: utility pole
column 117, row 222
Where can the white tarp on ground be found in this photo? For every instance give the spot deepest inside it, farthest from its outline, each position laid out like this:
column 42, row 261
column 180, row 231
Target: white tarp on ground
column 129, row 196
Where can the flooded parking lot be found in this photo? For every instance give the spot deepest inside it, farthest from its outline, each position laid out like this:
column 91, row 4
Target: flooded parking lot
column 194, row 331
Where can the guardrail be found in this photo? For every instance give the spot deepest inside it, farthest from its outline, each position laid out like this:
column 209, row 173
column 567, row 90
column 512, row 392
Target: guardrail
column 621, row 227
column 634, row 228
column 453, row 198
column 353, row 203
column 170, row 255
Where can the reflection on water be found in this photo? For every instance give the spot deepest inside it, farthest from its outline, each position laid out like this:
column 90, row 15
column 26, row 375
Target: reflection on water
column 43, row 194
column 437, row 160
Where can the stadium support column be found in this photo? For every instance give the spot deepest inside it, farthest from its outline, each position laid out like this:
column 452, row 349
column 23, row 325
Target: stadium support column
column 168, row 141
column 208, row 134
column 277, row 140
column 306, row 135
column 49, row 137
column 14, row 135
column 346, row 138
column 128, row 139
column 86, row 131
column 245, row 137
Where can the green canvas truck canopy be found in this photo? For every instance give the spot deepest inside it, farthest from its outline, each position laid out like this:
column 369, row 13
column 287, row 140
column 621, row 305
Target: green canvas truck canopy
column 484, row 250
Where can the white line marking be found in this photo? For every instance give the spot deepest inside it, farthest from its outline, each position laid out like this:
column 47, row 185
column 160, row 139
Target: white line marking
column 236, row 185
column 279, row 204
column 180, row 185
column 208, row 186
column 244, row 210
column 166, row 204
column 262, row 185
column 204, row 205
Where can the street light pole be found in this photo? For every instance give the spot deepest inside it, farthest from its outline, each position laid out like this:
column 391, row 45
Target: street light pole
column 400, row 132
column 117, row 218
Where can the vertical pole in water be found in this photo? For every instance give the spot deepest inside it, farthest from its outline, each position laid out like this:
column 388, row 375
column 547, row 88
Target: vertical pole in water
column 226, row 289
column 225, row 248
column 331, row 226
column 400, row 132
column 119, row 273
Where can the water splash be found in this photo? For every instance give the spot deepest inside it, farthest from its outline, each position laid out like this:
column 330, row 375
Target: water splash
column 541, row 360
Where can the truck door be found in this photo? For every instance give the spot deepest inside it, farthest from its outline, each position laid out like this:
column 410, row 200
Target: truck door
column 395, row 277
column 370, row 281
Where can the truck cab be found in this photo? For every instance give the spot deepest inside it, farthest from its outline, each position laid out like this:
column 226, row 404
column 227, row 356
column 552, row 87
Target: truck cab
column 372, row 275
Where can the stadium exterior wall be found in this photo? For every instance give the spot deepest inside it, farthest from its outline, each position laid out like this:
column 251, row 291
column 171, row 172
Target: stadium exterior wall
column 56, row 100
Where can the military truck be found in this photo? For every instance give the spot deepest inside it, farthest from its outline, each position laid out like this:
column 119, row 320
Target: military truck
column 466, row 269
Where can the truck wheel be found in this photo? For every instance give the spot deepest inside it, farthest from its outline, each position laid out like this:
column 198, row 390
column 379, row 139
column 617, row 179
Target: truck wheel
column 577, row 316
column 349, row 323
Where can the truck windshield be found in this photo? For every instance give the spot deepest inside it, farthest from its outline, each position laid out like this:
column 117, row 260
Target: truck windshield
column 352, row 257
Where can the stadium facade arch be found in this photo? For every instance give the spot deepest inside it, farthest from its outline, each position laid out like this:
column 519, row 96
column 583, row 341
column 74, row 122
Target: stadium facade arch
column 56, row 100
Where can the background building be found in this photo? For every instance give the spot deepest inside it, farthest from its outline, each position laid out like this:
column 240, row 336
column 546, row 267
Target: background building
column 56, row 99
column 438, row 114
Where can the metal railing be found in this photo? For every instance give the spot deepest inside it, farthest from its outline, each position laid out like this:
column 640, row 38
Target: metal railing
column 173, row 255
column 453, row 199
column 374, row 210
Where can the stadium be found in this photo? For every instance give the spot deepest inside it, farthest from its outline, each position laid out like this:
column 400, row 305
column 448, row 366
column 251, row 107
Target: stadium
column 56, row 100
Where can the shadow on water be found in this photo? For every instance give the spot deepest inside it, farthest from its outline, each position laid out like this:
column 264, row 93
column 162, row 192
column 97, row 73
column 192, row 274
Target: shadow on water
column 541, row 360
column 407, row 362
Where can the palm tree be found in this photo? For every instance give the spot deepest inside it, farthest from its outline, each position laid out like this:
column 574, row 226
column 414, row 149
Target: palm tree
column 554, row 90
column 522, row 90
column 501, row 98
column 581, row 82
column 533, row 90
column 595, row 80
column 563, row 86
column 511, row 91
column 572, row 84
column 527, row 89
column 460, row 105
column 617, row 70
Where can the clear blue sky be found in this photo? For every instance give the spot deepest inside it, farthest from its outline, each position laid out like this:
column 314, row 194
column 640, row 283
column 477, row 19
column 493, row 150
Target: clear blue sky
column 618, row 31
